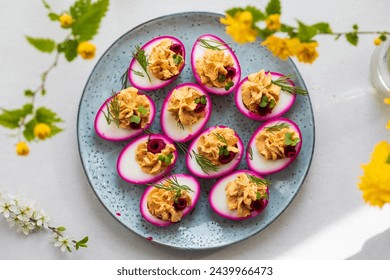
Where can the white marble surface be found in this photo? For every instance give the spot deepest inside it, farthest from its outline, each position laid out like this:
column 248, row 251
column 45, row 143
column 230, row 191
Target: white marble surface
column 327, row 220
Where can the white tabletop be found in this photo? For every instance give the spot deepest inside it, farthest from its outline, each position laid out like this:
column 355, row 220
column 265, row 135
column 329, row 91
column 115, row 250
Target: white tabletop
column 327, row 220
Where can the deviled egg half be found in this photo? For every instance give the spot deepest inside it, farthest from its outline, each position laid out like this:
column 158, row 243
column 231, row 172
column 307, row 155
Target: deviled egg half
column 157, row 63
column 124, row 115
column 215, row 152
column 169, row 200
column 146, row 159
column 264, row 95
column 215, row 65
column 240, row 195
column 273, row 146
column 185, row 112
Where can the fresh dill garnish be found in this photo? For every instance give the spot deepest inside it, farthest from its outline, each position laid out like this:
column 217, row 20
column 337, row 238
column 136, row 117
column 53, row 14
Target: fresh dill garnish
column 223, row 150
column 258, row 181
column 212, row 44
column 289, row 141
column 220, row 138
column 183, row 147
column 177, row 58
column 284, row 83
column 277, row 127
column 113, row 109
column 205, row 164
column 142, row 59
column 138, row 73
column 124, row 79
column 261, row 196
column 179, row 124
column 250, row 152
column 172, row 184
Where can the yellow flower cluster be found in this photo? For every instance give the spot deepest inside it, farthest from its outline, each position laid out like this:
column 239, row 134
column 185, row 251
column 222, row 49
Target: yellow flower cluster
column 375, row 182
column 42, row 131
column 285, row 47
column 387, row 101
column 86, row 50
column 240, row 27
column 273, row 22
column 66, row 20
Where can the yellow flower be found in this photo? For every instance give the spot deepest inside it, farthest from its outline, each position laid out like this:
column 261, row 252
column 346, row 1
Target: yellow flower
column 307, row 52
column 375, row 182
column 377, row 41
column 387, row 101
column 22, row 149
column 86, row 50
column 42, row 131
column 281, row 47
column 273, row 22
column 239, row 27
column 66, row 20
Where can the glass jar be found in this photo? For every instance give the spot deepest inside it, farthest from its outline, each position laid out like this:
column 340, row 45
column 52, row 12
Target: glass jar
column 380, row 69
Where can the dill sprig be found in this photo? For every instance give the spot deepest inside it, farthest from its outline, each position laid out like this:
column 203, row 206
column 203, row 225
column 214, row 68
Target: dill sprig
column 124, row 79
column 212, row 44
column 113, row 109
column 277, row 127
column 205, row 164
column 258, row 181
column 142, row 59
column 284, row 84
column 179, row 124
column 250, row 152
column 138, row 73
column 172, row 184
column 220, row 138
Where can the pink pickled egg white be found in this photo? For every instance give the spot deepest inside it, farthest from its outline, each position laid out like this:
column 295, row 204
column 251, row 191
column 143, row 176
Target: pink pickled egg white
column 172, row 129
column 143, row 83
column 183, row 179
column 259, row 164
column 224, row 169
column 130, row 171
column 217, row 197
column 112, row 132
column 198, row 52
column 285, row 102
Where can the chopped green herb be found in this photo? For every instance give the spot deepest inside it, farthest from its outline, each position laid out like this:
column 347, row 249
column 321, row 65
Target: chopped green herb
column 261, row 196
column 135, row 119
column 229, row 85
column 201, row 100
column 221, row 78
column 272, row 103
column 223, row 151
column 177, row 58
column 264, row 101
column 143, row 111
column 289, row 141
column 166, row 159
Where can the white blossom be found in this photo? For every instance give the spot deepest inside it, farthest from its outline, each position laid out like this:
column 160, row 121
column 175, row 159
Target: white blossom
column 42, row 220
column 26, row 227
column 63, row 242
column 5, row 208
column 13, row 220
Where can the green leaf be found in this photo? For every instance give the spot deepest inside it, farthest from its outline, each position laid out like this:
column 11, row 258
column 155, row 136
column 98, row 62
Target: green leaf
column 229, row 85
column 323, row 27
column 87, row 24
column 337, row 36
column 383, row 37
column 177, row 59
column 272, row 103
column 29, row 92
column 388, row 159
column 79, row 8
column 46, row 5
column 54, row 130
column 68, row 248
column 28, row 131
column 77, row 246
column 273, row 7
column 143, row 111
column 355, row 27
column 264, row 33
column 11, row 118
column 45, row 115
column 306, row 32
column 43, row 45
column 258, row 195
column 69, row 48
column 84, row 240
column 60, row 229
column 352, row 38
column 135, row 119
column 221, row 78
column 256, row 13
column 53, row 16
column 233, row 11
column 203, row 100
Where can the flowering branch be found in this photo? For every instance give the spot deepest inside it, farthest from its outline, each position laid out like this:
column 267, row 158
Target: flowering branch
column 83, row 21
column 244, row 25
column 26, row 219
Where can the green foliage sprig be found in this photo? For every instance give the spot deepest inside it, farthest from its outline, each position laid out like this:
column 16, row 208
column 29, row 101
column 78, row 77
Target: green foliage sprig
column 35, row 123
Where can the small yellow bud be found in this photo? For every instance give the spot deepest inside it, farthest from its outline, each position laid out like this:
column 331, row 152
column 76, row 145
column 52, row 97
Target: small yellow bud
column 42, row 131
column 377, row 41
column 66, row 20
column 86, row 50
column 387, row 101
column 22, row 149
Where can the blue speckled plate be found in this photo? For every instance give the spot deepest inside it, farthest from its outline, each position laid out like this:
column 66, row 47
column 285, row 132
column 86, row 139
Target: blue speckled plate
column 203, row 229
